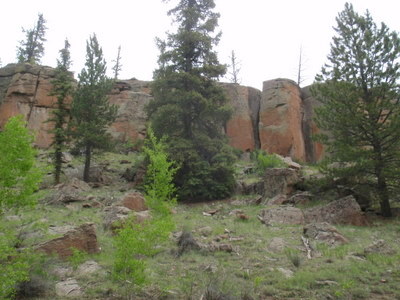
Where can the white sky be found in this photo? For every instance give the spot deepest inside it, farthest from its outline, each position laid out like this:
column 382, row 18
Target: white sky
column 266, row 35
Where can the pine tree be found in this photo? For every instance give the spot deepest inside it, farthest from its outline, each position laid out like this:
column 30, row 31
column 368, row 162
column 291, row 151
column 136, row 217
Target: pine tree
column 189, row 107
column 360, row 95
column 63, row 86
column 117, row 67
column 91, row 111
column 31, row 50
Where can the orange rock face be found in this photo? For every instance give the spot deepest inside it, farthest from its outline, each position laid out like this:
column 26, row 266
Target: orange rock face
column 280, row 125
column 239, row 128
column 27, row 93
column 131, row 97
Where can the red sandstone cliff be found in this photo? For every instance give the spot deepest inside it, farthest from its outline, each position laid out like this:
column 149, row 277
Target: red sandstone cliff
column 278, row 119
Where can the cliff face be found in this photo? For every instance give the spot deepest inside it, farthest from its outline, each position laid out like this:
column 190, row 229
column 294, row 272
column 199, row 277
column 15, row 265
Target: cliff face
column 278, row 119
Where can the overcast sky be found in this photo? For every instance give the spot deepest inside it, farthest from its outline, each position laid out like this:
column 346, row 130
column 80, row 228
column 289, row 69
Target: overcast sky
column 266, row 35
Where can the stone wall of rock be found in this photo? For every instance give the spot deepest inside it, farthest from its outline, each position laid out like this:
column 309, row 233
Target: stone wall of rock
column 24, row 89
column 278, row 119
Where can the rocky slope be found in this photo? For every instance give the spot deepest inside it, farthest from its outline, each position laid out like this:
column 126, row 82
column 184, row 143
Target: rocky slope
column 277, row 119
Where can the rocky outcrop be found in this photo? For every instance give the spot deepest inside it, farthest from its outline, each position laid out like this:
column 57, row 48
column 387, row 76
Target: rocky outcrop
column 131, row 98
column 278, row 119
column 313, row 150
column 281, row 115
column 240, row 129
column 24, row 89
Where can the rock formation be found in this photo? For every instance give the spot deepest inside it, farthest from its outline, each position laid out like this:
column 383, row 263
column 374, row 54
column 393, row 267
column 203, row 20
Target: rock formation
column 278, row 119
column 281, row 115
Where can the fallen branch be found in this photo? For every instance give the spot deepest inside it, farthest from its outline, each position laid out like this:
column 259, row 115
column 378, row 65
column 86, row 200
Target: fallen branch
column 307, row 245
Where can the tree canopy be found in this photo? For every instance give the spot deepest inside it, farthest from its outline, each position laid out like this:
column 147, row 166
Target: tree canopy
column 189, row 107
column 359, row 90
column 63, row 86
column 31, row 49
column 91, row 111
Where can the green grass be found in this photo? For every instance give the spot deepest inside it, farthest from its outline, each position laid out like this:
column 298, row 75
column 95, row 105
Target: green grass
column 250, row 270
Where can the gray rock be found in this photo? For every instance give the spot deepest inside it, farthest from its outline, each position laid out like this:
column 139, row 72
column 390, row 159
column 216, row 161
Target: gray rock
column 68, row 288
column 282, row 215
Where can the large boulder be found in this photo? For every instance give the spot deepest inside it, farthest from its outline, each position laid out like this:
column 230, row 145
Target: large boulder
column 82, row 238
column 280, row 125
column 343, row 211
column 280, row 181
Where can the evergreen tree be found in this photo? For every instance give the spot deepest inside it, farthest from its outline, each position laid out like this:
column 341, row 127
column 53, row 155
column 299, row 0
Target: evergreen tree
column 91, row 111
column 359, row 91
column 63, row 86
column 189, row 107
column 117, row 67
column 31, row 50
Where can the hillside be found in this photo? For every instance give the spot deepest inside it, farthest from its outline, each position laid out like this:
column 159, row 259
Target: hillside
column 263, row 243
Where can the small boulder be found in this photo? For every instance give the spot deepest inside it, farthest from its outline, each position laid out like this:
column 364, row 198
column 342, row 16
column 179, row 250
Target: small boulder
column 88, row 268
column 277, row 245
column 134, row 201
column 379, row 247
column 282, row 215
column 277, row 200
column 300, row 198
column 82, row 238
column 324, row 232
column 68, row 288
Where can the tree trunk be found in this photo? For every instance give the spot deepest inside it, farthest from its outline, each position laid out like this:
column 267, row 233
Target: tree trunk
column 384, row 198
column 86, row 171
column 58, row 164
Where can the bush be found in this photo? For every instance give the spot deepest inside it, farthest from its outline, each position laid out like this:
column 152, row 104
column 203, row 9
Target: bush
column 264, row 161
column 19, row 176
column 14, row 266
column 134, row 242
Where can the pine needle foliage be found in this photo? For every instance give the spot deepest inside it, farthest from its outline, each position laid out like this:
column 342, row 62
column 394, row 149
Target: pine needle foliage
column 360, row 111
column 189, row 107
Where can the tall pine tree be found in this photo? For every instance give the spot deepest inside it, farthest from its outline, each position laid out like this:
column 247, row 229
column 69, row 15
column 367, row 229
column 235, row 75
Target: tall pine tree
column 359, row 90
column 63, row 86
column 32, row 49
column 91, row 112
column 189, row 107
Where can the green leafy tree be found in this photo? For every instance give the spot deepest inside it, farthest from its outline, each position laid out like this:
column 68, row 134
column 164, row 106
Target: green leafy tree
column 31, row 49
column 360, row 95
column 189, row 107
column 19, row 175
column 63, row 86
column 91, row 111
column 159, row 187
column 134, row 242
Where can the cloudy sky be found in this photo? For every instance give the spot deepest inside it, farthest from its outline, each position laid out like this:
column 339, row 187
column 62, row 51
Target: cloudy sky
column 266, row 35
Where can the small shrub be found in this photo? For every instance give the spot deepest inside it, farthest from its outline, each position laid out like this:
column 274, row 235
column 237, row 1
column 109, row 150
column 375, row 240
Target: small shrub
column 264, row 161
column 78, row 257
column 293, row 256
